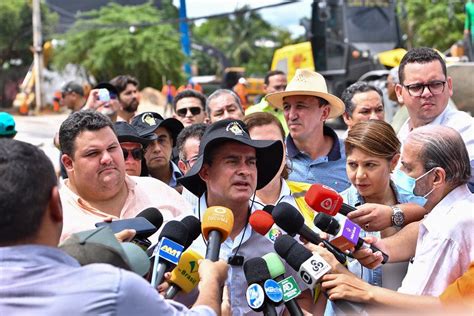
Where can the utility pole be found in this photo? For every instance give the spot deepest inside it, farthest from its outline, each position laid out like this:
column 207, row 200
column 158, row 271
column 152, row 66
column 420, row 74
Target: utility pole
column 38, row 55
column 185, row 43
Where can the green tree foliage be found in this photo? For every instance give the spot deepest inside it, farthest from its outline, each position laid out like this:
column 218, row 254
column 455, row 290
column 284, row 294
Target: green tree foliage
column 16, row 35
column 433, row 23
column 238, row 37
column 103, row 43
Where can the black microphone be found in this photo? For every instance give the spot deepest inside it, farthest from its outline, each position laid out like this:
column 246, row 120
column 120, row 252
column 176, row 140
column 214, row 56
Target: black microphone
column 169, row 249
column 154, row 216
column 256, row 274
column 346, row 233
column 193, row 225
column 310, row 267
column 290, row 220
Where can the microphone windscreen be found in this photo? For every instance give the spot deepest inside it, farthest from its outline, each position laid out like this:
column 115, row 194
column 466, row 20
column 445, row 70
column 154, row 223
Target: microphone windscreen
column 186, row 275
column 256, row 271
column 193, row 225
column 323, row 199
column 154, row 216
column 261, row 221
column 293, row 252
column 326, row 223
column 268, row 208
column 288, row 218
column 176, row 231
column 217, row 218
column 274, row 264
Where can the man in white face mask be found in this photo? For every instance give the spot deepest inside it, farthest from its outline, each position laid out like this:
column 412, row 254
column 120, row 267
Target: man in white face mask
column 435, row 166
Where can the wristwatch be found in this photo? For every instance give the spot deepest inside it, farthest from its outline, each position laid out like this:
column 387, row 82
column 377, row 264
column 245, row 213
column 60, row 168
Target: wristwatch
column 398, row 217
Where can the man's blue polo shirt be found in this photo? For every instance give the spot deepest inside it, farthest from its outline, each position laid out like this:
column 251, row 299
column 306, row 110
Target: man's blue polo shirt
column 329, row 170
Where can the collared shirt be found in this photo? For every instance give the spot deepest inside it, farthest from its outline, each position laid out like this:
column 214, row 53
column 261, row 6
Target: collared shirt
column 458, row 120
column 143, row 192
column 329, row 170
column 264, row 106
column 445, row 245
column 252, row 245
column 175, row 175
column 41, row 280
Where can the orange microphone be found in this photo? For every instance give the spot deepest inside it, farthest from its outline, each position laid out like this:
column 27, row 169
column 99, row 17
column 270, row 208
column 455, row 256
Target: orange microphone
column 217, row 223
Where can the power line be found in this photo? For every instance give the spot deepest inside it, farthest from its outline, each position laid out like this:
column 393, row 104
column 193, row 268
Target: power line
column 177, row 20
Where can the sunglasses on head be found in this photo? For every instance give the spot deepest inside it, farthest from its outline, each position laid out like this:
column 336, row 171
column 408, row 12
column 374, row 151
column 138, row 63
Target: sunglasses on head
column 195, row 110
column 137, row 153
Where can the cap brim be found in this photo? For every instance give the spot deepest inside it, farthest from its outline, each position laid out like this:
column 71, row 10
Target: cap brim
column 134, row 139
column 269, row 157
column 137, row 259
column 337, row 106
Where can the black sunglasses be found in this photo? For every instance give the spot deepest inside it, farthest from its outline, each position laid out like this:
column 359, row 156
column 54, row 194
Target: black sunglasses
column 195, row 110
column 137, row 153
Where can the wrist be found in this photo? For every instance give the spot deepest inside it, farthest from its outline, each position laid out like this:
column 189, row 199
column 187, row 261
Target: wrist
column 398, row 216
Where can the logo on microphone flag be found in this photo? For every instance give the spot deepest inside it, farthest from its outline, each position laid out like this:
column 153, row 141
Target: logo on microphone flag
column 170, row 250
column 290, row 288
column 273, row 290
column 255, row 296
column 326, row 204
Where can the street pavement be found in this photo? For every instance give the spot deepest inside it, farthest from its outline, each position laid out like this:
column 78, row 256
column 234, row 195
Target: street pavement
column 39, row 131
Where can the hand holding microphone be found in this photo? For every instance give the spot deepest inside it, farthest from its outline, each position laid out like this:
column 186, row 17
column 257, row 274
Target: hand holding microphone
column 346, row 234
column 217, row 224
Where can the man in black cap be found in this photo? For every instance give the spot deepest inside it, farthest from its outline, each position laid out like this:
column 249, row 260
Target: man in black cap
column 133, row 147
column 158, row 153
column 73, row 96
column 230, row 167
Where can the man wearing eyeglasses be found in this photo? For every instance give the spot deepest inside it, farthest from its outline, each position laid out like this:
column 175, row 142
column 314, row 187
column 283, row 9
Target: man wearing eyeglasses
column 425, row 88
column 189, row 107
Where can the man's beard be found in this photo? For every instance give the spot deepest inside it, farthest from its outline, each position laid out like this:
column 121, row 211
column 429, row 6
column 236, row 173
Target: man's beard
column 131, row 107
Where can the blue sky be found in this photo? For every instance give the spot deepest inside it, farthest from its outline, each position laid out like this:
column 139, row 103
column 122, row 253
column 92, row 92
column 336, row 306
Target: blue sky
column 285, row 16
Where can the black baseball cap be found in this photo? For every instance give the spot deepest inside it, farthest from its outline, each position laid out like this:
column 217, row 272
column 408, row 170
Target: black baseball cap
column 147, row 123
column 127, row 133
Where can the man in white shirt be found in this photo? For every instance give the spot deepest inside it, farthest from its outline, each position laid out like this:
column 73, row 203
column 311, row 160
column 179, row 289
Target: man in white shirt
column 425, row 89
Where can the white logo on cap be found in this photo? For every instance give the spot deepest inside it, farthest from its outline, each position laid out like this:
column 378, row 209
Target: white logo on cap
column 235, row 128
column 149, row 119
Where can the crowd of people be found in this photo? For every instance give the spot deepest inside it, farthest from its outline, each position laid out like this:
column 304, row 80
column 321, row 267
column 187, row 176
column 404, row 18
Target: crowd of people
column 407, row 190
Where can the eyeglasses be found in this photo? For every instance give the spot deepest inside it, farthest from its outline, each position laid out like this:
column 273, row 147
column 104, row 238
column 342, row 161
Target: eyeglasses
column 137, row 153
column 416, row 90
column 195, row 110
column 191, row 161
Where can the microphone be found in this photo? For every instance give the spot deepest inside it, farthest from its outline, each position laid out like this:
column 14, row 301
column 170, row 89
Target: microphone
column 324, row 199
column 289, row 286
column 310, row 267
column 262, row 222
column 185, row 276
column 261, row 298
column 346, row 233
column 291, row 221
column 193, row 225
column 154, row 216
column 168, row 250
column 217, row 223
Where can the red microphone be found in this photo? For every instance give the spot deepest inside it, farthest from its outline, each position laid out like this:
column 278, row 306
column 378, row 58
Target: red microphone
column 261, row 221
column 326, row 200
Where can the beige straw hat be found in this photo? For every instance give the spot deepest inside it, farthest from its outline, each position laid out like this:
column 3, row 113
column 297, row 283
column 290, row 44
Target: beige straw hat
column 307, row 82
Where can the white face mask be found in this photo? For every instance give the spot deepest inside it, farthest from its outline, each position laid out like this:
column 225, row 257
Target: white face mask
column 407, row 185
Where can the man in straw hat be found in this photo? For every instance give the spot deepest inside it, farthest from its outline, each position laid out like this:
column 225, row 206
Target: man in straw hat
column 230, row 167
column 314, row 149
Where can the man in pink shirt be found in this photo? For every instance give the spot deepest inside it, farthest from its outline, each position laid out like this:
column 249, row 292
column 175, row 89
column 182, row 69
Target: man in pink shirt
column 98, row 187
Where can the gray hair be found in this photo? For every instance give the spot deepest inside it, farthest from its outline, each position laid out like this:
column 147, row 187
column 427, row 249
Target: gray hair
column 220, row 92
column 442, row 146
